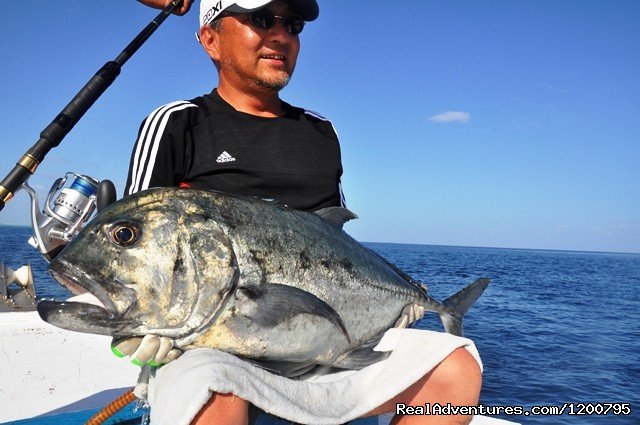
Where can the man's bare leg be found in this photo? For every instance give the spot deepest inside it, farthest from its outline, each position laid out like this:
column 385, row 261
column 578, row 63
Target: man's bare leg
column 456, row 380
column 223, row 409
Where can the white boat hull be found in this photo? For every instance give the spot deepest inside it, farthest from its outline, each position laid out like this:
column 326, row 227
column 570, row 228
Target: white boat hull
column 44, row 369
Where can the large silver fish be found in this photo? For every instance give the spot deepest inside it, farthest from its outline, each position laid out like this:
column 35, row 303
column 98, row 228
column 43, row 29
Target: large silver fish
column 246, row 276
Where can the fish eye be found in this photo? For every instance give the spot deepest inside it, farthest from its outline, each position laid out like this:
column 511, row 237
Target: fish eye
column 125, row 233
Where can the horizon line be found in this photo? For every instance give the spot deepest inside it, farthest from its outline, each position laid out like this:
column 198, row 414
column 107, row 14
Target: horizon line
column 454, row 246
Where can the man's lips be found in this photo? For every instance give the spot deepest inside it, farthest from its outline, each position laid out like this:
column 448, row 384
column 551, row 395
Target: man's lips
column 275, row 57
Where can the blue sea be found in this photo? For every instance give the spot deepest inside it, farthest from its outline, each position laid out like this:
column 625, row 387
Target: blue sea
column 554, row 327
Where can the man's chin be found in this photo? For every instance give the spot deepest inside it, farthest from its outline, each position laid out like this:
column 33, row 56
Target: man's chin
column 274, row 83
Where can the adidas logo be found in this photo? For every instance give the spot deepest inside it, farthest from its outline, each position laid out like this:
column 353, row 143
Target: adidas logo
column 225, row 157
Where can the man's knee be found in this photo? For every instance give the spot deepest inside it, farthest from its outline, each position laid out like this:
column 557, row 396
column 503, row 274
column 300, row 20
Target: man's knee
column 226, row 409
column 459, row 373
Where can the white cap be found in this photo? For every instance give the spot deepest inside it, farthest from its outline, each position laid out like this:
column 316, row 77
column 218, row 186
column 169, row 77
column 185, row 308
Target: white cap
column 210, row 9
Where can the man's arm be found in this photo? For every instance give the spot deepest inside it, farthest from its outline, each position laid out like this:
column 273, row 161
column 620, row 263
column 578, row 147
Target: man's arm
column 158, row 156
column 151, row 163
column 160, row 4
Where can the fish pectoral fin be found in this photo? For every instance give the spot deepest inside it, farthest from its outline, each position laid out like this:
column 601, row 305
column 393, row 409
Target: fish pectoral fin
column 278, row 303
column 336, row 216
column 362, row 356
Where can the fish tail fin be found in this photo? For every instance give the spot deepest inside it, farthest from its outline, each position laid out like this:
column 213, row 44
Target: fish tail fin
column 457, row 305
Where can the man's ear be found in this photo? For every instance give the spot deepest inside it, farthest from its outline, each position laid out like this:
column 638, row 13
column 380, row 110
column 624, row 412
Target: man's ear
column 210, row 40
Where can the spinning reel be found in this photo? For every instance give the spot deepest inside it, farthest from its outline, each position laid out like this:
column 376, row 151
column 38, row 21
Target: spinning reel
column 71, row 201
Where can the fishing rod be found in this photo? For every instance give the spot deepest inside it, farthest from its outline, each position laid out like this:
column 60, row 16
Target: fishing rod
column 64, row 122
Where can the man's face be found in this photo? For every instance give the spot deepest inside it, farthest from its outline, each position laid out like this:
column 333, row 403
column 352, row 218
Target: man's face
column 251, row 57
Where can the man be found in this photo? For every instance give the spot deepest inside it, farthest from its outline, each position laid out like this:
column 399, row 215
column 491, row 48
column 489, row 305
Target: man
column 242, row 138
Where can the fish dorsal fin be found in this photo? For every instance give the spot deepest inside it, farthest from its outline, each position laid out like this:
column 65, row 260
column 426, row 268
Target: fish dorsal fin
column 336, row 216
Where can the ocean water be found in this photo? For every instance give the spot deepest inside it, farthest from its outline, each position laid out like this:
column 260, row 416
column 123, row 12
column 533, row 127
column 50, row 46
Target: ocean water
column 554, row 327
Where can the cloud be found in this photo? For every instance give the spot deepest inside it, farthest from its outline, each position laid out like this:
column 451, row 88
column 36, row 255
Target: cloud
column 451, row 116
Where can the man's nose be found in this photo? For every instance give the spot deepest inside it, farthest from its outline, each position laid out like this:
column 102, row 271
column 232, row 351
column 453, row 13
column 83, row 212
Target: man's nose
column 278, row 30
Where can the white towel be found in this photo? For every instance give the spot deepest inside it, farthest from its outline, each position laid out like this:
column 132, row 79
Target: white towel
column 180, row 389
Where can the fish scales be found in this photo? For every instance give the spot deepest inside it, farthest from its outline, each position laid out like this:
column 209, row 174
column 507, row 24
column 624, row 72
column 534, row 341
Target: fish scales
column 318, row 258
column 247, row 276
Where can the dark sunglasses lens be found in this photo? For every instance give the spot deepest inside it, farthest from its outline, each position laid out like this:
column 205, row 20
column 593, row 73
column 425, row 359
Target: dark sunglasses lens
column 262, row 19
column 294, row 24
column 265, row 19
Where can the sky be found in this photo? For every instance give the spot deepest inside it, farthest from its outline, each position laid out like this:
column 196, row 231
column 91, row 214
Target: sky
column 495, row 124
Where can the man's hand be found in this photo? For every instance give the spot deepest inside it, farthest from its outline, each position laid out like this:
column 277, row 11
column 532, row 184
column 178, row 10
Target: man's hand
column 152, row 350
column 410, row 314
column 161, row 4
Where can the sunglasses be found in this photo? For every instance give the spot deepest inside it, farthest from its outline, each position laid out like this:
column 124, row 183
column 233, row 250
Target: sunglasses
column 265, row 19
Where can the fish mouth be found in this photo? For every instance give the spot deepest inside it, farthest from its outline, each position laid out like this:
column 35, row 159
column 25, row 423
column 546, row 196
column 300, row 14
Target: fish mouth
column 80, row 316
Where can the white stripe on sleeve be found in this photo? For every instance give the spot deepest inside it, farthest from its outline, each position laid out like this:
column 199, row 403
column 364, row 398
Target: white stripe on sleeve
column 148, row 143
column 343, row 201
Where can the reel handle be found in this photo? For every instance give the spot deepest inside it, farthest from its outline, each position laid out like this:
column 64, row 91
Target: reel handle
column 106, row 195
